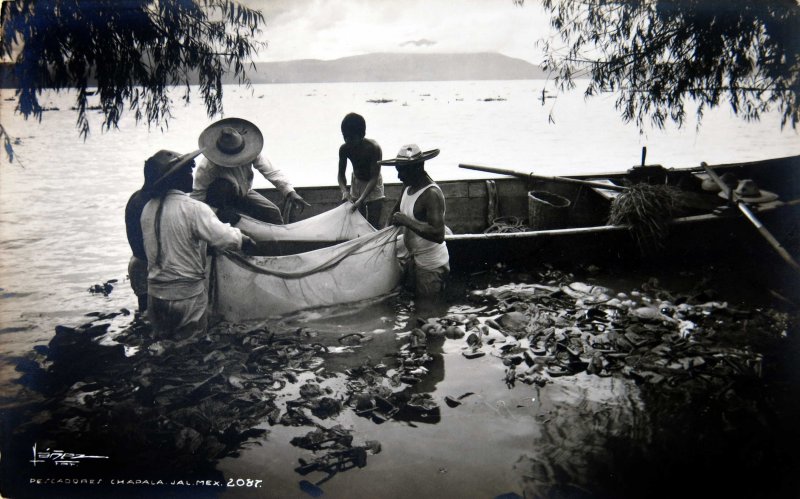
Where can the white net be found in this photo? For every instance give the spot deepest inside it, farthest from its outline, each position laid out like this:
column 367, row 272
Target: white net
column 338, row 224
column 256, row 288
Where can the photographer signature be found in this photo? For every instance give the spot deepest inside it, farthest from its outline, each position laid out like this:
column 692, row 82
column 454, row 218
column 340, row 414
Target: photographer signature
column 60, row 457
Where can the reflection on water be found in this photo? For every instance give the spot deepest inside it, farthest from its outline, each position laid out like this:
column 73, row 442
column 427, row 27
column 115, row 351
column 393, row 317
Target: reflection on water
column 582, row 420
column 475, row 438
column 359, row 404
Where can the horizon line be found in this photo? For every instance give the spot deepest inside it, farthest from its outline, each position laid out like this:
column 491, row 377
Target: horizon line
column 396, row 53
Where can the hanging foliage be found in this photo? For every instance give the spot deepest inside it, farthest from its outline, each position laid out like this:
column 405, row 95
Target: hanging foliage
column 661, row 56
column 132, row 51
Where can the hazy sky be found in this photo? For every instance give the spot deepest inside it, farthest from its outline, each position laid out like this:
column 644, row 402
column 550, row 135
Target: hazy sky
column 329, row 29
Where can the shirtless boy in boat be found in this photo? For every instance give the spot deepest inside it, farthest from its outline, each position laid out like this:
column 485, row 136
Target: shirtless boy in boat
column 366, row 186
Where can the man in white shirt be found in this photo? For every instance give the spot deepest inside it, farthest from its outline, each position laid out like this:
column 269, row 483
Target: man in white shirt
column 224, row 178
column 177, row 231
column 421, row 211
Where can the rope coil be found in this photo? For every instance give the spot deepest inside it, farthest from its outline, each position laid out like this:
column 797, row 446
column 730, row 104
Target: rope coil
column 506, row 225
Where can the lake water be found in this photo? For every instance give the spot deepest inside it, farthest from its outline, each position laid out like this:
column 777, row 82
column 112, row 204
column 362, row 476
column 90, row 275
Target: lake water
column 62, row 201
column 62, row 204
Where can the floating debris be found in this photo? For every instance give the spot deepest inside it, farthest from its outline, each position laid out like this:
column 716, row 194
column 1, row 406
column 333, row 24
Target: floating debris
column 578, row 327
column 338, row 453
column 452, row 402
column 473, row 353
column 202, row 401
column 104, row 289
column 354, row 339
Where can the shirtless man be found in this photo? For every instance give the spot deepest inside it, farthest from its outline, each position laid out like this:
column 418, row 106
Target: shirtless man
column 366, row 187
column 421, row 211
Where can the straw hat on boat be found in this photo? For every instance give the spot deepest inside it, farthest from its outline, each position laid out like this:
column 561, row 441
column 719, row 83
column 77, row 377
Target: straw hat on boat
column 163, row 164
column 710, row 185
column 410, row 154
column 748, row 191
column 231, row 142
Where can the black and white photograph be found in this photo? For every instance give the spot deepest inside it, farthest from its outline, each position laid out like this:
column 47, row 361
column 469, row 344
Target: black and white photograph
column 490, row 249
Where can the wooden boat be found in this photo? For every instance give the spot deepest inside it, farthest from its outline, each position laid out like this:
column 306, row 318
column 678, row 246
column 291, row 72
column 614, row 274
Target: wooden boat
column 327, row 256
column 490, row 218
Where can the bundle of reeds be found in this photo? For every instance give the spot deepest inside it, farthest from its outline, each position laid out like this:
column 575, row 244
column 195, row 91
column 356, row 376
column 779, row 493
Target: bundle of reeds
column 646, row 209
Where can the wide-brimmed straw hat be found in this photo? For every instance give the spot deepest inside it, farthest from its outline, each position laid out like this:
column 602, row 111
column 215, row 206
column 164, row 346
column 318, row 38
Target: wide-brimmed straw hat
column 163, row 164
column 710, row 185
column 231, row 142
column 410, row 154
column 748, row 191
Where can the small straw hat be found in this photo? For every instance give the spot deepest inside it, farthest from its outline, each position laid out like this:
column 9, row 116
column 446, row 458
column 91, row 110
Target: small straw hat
column 410, row 154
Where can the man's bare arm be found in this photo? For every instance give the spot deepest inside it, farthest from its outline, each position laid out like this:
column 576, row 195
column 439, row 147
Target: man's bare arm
column 342, row 176
column 432, row 228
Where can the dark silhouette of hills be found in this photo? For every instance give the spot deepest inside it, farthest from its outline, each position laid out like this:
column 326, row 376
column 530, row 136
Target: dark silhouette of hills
column 398, row 67
column 378, row 67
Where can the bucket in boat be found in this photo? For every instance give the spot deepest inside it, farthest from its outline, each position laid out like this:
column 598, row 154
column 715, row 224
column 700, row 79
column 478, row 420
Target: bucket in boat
column 547, row 210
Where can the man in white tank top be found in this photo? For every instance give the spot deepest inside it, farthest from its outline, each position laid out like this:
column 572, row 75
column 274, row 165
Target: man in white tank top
column 421, row 211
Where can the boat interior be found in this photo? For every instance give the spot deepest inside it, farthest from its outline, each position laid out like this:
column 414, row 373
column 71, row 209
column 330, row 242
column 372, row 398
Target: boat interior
column 478, row 206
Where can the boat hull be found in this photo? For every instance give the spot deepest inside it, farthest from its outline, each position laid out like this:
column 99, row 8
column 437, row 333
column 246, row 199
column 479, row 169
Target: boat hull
column 706, row 231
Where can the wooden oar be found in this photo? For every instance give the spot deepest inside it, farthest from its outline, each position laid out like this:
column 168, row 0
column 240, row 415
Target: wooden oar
column 753, row 219
column 523, row 175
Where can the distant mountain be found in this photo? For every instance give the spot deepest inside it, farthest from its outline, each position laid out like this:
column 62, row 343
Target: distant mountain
column 398, row 67
column 379, row 67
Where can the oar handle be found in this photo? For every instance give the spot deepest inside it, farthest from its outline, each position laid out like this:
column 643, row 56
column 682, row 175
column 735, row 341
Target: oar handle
column 491, row 169
column 766, row 234
column 503, row 171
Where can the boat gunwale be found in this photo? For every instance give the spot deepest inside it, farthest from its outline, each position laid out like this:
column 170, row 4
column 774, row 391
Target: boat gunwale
column 705, row 217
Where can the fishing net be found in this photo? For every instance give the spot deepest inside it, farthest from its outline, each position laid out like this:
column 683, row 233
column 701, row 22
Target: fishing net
column 258, row 287
column 338, row 224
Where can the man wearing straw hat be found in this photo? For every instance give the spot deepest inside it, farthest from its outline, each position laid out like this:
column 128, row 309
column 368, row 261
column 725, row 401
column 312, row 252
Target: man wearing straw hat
column 224, row 179
column 137, row 266
column 177, row 231
column 421, row 211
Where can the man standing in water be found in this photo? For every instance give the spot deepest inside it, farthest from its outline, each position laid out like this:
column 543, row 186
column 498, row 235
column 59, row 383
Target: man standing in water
column 224, row 179
column 366, row 184
column 421, row 211
column 137, row 266
column 177, row 231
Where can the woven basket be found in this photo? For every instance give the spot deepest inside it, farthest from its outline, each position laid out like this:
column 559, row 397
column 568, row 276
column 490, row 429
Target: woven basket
column 547, row 210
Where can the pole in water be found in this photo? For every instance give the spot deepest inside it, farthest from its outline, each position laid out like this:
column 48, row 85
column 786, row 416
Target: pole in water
column 644, row 154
